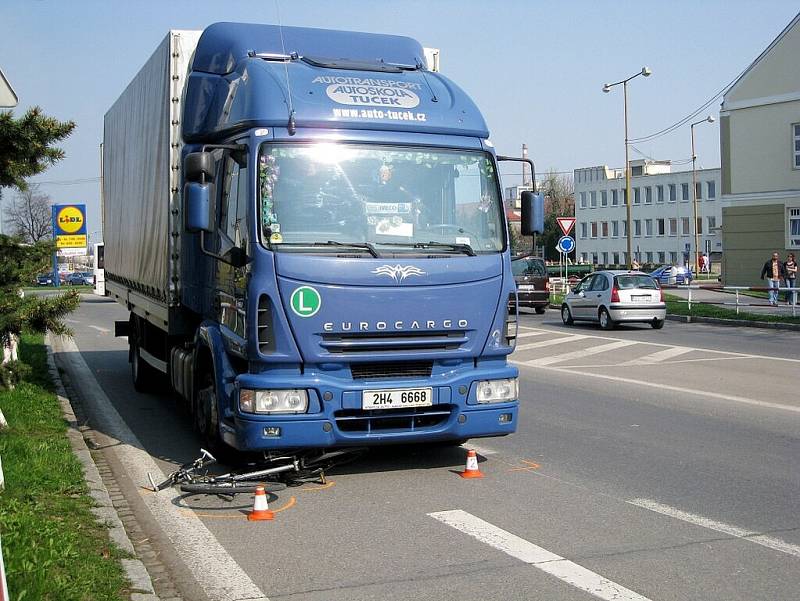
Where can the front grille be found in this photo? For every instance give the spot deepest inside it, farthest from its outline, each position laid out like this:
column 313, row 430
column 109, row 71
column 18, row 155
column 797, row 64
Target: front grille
column 405, row 342
column 386, row 370
column 411, row 420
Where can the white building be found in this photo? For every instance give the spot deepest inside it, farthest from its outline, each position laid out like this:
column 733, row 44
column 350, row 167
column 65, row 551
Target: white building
column 661, row 214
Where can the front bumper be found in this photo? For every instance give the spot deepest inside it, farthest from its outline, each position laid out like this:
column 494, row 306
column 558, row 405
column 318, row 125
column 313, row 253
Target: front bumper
column 340, row 421
column 622, row 312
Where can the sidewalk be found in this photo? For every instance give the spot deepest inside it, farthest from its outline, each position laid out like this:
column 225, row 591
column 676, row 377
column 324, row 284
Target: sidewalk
column 727, row 299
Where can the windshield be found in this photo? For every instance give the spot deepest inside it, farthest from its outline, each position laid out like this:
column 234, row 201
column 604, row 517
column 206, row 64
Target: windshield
column 386, row 198
column 529, row 267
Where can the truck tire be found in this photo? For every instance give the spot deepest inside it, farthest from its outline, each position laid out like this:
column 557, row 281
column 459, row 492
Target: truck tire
column 144, row 376
column 206, row 418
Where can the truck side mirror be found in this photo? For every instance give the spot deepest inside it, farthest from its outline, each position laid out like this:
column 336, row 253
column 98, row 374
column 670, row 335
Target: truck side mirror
column 198, row 208
column 198, row 167
column 532, row 219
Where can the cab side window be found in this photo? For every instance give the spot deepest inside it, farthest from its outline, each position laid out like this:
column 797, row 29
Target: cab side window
column 233, row 208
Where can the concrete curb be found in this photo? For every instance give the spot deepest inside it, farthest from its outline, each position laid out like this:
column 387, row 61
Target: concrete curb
column 140, row 582
column 717, row 321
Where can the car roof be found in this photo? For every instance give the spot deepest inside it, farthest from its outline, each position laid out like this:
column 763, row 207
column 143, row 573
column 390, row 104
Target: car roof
column 616, row 272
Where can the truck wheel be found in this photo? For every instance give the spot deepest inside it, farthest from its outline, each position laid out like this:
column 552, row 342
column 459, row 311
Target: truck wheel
column 142, row 373
column 540, row 310
column 206, row 419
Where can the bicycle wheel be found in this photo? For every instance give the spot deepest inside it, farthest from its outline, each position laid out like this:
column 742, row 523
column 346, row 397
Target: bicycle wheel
column 229, row 488
column 330, row 458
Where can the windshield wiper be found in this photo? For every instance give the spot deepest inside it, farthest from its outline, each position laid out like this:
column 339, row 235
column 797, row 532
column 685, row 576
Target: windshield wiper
column 352, row 245
column 464, row 248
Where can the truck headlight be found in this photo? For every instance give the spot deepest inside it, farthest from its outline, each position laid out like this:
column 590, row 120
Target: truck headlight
column 273, row 401
column 497, row 391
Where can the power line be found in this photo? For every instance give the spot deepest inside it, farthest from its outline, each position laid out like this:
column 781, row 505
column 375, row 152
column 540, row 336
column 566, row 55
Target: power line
column 689, row 117
column 67, row 182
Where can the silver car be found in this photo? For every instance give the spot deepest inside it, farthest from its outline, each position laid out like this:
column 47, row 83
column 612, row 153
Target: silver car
column 612, row 297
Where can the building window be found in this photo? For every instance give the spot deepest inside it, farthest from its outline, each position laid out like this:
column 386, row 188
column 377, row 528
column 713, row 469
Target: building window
column 614, row 198
column 594, row 258
column 648, row 195
column 660, row 224
column 648, row 256
column 637, row 227
column 796, row 140
column 794, row 228
column 584, row 229
column 711, row 188
column 603, row 198
column 637, row 170
column 684, row 191
column 673, row 192
column 648, row 227
column 698, row 190
column 685, row 226
column 711, row 222
column 673, row 257
column 584, row 257
column 662, row 256
column 593, row 199
column 615, row 229
column 616, row 258
column 659, row 193
column 624, row 229
column 583, row 200
column 594, row 229
column 624, row 194
column 673, row 226
column 604, row 229
column 605, row 258
column 637, row 196
column 700, row 226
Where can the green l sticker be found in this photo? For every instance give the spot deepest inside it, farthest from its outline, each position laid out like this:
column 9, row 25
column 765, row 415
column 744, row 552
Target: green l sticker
column 305, row 301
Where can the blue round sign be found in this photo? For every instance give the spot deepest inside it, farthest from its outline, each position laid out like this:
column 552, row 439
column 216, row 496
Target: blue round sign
column 566, row 244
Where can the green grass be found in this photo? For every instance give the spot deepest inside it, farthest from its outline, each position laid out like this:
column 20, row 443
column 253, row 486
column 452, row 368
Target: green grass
column 52, row 545
column 676, row 306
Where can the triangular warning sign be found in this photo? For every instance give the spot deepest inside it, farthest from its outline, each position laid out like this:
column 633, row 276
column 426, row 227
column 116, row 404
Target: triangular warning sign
column 566, row 224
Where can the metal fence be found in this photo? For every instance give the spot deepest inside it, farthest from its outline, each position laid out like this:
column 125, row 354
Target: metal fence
column 738, row 296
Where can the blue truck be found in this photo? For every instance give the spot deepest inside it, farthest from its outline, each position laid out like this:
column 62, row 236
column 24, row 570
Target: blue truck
column 307, row 229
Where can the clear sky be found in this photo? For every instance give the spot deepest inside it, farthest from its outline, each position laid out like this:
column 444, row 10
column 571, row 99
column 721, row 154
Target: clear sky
column 535, row 68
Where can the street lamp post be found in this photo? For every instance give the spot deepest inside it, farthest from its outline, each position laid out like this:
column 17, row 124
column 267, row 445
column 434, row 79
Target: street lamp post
column 628, row 200
column 708, row 119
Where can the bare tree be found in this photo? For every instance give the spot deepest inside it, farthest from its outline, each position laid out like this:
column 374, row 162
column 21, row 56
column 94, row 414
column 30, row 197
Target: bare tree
column 30, row 215
column 559, row 197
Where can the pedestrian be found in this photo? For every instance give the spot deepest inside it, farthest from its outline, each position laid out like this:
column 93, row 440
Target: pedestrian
column 774, row 271
column 791, row 278
column 635, row 265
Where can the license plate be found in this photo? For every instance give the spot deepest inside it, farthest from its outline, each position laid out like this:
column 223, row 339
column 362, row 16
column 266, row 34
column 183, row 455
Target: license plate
column 396, row 398
column 526, row 288
column 641, row 297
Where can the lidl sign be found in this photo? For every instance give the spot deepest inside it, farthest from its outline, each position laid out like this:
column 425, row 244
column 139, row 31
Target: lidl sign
column 69, row 226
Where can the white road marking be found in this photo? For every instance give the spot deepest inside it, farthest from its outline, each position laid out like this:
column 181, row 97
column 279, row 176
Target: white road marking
column 595, row 350
column 703, row 393
column 553, row 342
column 101, row 330
column 659, row 356
column 754, row 537
column 214, row 569
column 529, row 334
column 478, row 449
column 538, row 557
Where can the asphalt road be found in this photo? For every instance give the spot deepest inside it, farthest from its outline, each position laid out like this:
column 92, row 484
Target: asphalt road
column 647, row 465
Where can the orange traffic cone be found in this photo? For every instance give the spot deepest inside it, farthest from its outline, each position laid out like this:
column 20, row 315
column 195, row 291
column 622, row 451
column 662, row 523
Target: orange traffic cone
column 471, row 470
column 261, row 509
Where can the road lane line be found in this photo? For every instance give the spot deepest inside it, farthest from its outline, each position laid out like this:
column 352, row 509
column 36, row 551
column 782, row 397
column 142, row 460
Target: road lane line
column 212, row 567
column 478, row 449
column 595, row 350
column 553, row 342
column 659, row 356
column 529, row 334
column 101, row 330
column 704, row 393
column 537, row 556
column 754, row 537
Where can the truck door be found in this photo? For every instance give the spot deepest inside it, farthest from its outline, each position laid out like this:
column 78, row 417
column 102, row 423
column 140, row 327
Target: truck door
column 230, row 284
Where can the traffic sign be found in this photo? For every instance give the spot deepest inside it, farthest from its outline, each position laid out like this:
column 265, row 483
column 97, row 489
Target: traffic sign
column 565, row 244
column 566, row 224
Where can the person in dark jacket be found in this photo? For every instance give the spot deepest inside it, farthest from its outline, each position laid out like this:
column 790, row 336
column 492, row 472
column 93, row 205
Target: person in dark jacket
column 775, row 271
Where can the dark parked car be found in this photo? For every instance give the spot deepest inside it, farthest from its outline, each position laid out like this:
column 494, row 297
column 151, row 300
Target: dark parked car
column 533, row 284
column 80, row 278
column 664, row 275
column 44, row 279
